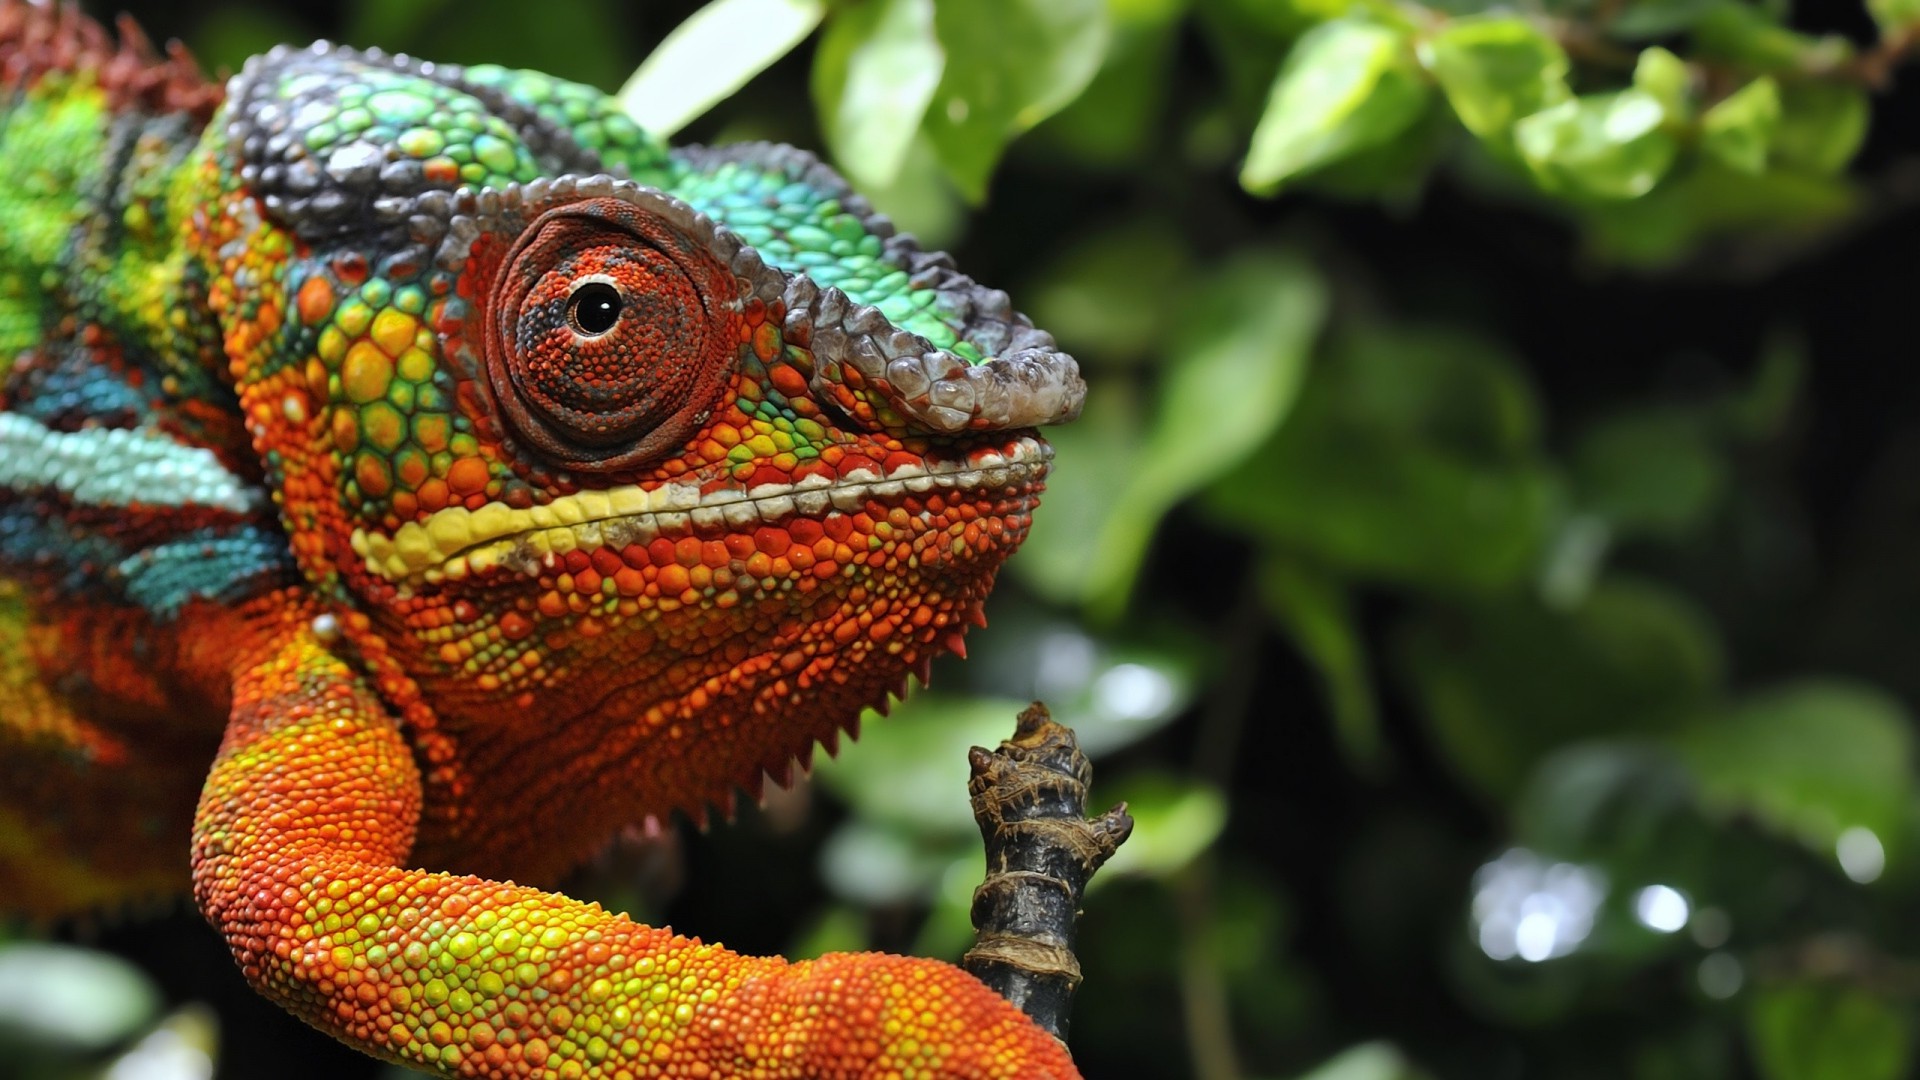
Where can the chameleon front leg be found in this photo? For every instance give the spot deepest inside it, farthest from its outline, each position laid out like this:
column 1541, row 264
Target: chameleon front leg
column 300, row 846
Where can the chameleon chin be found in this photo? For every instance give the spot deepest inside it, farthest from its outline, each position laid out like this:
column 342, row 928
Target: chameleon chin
column 412, row 474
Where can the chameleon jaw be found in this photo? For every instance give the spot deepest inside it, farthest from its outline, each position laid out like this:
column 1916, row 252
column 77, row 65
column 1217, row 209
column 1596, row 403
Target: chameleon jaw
column 456, row 542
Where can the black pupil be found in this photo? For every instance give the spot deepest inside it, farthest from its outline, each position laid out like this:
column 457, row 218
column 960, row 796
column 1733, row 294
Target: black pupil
column 596, row 305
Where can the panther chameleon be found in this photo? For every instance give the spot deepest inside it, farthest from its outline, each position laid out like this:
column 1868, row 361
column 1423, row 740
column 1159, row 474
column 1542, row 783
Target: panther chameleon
column 409, row 465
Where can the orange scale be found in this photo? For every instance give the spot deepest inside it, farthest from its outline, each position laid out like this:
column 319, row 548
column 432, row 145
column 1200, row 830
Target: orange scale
column 767, row 473
column 346, row 431
column 660, row 551
column 432, row 494
column 687, row 551
column 372, row 474
column 468, row 476
column 672, row 579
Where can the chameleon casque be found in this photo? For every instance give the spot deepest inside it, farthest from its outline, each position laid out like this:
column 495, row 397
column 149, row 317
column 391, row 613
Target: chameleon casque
column 405, row 465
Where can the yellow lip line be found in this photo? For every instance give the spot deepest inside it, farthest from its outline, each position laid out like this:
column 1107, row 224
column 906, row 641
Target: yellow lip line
column 456, row 541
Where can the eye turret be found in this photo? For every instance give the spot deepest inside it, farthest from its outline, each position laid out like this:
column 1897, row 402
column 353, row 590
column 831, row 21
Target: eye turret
column 611, row 335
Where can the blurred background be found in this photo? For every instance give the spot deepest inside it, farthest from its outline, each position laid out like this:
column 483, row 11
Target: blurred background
column 1488, row 563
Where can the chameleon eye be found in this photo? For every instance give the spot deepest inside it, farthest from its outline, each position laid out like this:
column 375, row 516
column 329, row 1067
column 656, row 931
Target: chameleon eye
column 611, row 335
column 594, row 307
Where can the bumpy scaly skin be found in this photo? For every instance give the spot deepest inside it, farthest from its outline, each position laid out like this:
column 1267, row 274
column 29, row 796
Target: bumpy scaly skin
column 299, row 845
column 476, row 514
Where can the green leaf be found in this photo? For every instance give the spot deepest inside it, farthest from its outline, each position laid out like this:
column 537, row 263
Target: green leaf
column 1315, row 610
column 711, row 55
column 1603, row 146
column 1230, row 380
column 921, row 200
column 1394, row 172
column 1711, row 201
column 1821, row 126
column 1762, row 409
column 1655, row 472
column 874, row 74
column 1146, row 13
column 1815, row 1031
column 1347, row 85
column 1480, row 526
column 1174, row 820
column 1666, row 77
column 1115, row 296
column 1626, row 805
column 1503, row 683
column 1094, row 461
column 1739, row 129
column 1116, row 120
column 1017, row 63
column 1895, row 16
column 1813, row 760
column 1751, row 36
column 1282, row 18
column 1399, row 427
column 1645, row 20
column 1495, row 69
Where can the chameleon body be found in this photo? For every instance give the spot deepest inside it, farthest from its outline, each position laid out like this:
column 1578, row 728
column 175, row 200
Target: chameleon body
column 405, row 465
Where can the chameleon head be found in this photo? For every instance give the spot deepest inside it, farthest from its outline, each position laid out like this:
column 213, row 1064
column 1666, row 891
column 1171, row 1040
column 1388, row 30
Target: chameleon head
column 645, row 509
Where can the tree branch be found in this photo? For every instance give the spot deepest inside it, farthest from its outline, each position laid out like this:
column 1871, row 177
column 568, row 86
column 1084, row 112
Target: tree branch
column 1030, row 798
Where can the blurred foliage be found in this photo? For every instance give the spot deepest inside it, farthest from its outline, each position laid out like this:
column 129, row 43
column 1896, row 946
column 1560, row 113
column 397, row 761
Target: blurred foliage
column 1486, row 563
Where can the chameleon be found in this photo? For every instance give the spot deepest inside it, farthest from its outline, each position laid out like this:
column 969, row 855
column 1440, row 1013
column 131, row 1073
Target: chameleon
column 412, row 475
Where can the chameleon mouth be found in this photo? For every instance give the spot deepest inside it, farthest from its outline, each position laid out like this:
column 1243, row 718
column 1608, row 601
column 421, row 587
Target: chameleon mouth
column 456, row 543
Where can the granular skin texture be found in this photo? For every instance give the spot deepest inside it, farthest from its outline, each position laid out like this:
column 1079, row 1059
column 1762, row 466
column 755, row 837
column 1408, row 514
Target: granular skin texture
column 411, row 476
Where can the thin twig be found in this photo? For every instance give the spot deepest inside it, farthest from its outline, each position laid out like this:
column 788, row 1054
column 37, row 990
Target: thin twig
column 1030, row 799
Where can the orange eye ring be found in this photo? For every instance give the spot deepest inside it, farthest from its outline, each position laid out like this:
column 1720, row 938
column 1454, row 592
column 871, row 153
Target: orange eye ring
column 611, row 335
